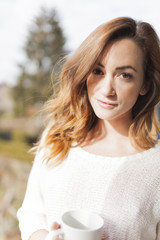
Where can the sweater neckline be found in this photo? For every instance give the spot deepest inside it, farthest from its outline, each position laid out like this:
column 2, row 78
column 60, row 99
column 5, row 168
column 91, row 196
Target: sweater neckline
column 144, row 153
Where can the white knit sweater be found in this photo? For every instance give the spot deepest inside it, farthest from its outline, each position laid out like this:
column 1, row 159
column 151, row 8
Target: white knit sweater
column 125, row 191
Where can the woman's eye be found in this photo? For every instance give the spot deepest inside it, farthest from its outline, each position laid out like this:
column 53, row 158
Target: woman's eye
column 126, row 75
column 98, row 71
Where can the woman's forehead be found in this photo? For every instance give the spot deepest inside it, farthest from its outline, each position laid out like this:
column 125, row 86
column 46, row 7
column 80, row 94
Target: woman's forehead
column 122, row 52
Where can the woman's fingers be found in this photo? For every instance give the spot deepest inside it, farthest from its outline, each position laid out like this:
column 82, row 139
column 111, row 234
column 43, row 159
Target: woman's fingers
column 57, row 238
column 55, row 226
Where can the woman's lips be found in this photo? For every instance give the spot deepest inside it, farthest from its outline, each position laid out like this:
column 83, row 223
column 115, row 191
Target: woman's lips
column 106, row 104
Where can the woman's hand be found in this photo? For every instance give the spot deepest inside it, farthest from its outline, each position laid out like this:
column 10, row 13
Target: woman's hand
column 56, row 226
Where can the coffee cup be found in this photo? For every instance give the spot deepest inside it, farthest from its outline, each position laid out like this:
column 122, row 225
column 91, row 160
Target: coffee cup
column 79, row 225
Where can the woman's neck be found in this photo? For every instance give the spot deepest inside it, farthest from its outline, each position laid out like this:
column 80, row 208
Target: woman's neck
column 110, row 139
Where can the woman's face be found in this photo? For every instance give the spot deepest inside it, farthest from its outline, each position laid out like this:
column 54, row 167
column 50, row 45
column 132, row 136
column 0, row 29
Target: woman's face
column 116, row 81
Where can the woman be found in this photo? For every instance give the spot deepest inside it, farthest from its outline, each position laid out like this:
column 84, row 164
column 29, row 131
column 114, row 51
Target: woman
column 101, row 151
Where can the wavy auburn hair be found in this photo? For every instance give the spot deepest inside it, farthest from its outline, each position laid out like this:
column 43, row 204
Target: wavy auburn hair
column 70, row 115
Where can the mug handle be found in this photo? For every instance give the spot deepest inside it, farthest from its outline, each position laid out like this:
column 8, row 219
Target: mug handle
column 53, row 234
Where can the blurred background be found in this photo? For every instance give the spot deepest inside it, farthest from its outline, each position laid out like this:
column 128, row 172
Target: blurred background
column 34, row 36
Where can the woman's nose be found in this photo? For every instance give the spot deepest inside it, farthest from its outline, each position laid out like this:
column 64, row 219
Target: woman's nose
column 108, row 88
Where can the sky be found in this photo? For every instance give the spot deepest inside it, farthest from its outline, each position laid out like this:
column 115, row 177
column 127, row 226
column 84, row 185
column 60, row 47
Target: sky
column 77, row 18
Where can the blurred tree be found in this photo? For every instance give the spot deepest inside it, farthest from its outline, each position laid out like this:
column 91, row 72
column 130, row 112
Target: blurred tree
column 44, row 47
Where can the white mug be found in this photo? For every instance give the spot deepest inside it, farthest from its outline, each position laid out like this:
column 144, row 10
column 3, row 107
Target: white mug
column 79, row 225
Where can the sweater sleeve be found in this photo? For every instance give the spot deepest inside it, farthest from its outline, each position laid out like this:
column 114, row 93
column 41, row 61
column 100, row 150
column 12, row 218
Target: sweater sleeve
column 31, row 215
column 158, row 232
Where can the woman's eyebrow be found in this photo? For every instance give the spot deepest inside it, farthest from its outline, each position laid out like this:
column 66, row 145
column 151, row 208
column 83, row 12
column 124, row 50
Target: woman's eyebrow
column 100, row 64
column 120, row 68
column 124, row 67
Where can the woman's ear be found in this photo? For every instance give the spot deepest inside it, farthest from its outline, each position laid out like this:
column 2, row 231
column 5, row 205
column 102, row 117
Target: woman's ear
column 144, row 89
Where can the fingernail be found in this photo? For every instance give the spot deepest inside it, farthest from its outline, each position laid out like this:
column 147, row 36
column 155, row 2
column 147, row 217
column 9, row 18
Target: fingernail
column 55, row 225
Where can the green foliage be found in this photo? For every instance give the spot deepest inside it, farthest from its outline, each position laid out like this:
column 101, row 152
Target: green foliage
column 44, row 47
column 17, row 148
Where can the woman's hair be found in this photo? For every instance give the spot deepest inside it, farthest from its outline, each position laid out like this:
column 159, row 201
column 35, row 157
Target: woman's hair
column 70, row 115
